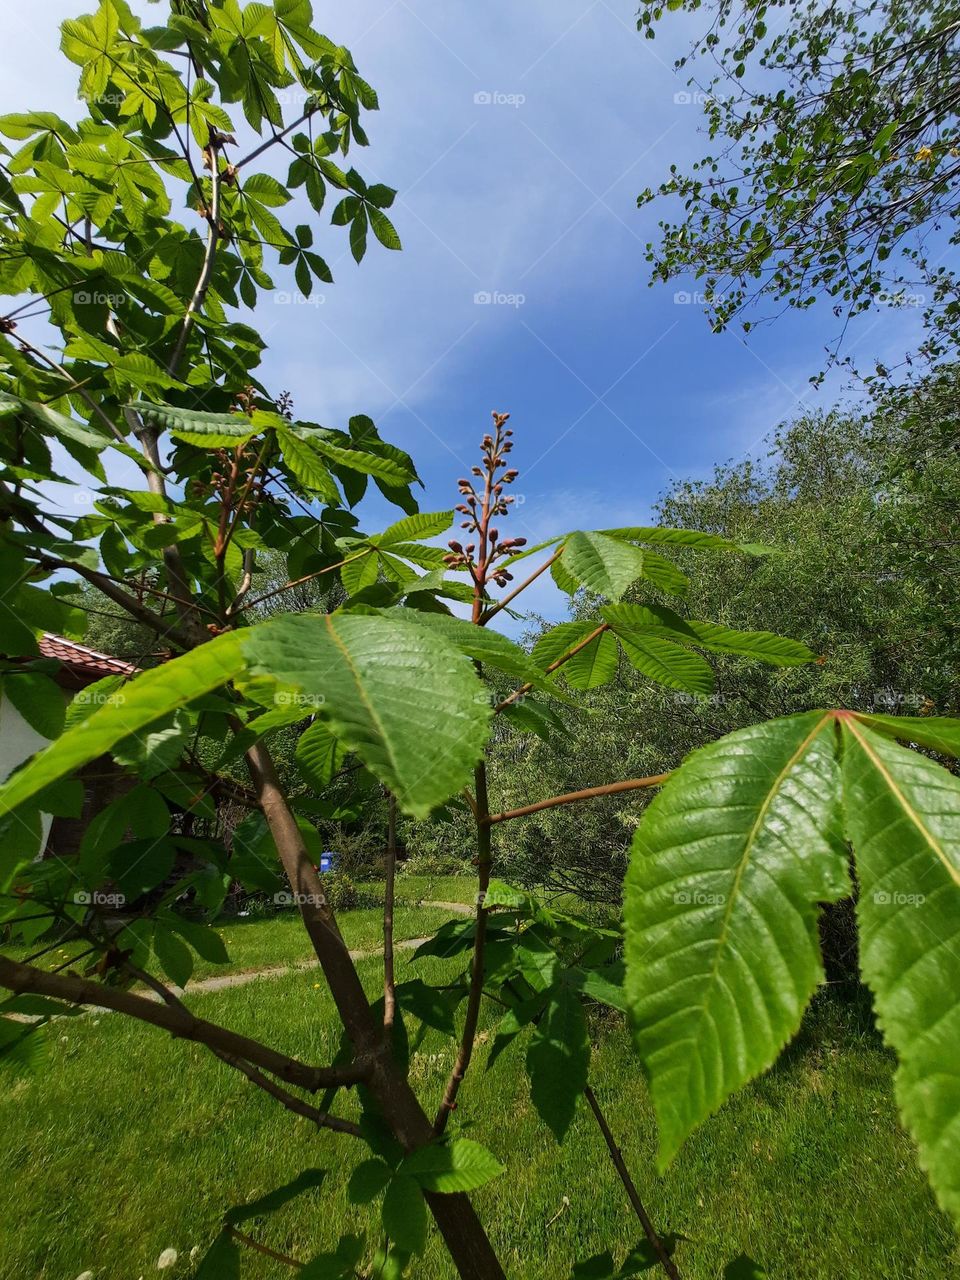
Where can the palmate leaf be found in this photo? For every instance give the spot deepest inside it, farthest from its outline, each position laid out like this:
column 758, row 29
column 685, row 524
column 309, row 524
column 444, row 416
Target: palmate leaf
column 903, row 817
column 405, row 701
column 726, row 872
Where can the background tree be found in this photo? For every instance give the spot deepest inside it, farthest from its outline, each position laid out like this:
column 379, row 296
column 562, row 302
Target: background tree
column 835, row 165
column 860, row 510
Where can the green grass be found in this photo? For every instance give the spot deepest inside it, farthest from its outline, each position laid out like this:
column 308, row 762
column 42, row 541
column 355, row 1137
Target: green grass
column 131, row 1143
column 264, row 942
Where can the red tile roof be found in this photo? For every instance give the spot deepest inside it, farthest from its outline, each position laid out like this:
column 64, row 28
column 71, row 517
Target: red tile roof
column 84, row 663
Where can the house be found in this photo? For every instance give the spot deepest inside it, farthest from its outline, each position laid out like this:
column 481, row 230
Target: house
column 80, row 667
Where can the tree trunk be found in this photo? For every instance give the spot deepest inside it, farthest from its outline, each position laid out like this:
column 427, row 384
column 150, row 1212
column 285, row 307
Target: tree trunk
column 463, row 1233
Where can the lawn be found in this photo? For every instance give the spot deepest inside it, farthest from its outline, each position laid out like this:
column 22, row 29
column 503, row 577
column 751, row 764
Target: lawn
column 135, row 1143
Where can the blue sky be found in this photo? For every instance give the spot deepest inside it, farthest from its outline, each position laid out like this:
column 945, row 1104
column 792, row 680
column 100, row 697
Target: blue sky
column 518, row 137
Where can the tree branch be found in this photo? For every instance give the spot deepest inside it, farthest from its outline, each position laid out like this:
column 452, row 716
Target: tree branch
column 389, row 984
column 24, row 978
column 616, row 1155
column 571, row 797
column 475, row 994
column 507, row 599
column 525, row 688
column 209, row 258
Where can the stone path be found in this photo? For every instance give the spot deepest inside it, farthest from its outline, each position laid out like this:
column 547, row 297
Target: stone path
column 227, row 980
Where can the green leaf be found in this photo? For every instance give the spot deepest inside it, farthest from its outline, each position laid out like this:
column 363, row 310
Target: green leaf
column 668, row 663
column 903, row 818
column 663, row 573
column 209, row 430
column 937, row 733
column 594, row 665
column 480, row 643
column 407, row 703
column 425, row 524
column 176, row 958
column 674, row 538
column 603, row 565
column 383, row 228
column 141, row 701
column 460, row 1165
column 558, row 1059
column 632, row 620
column 722, row 948
column 404, row 1214
column 266, row 189
column 307, row 465
column 41, row 702
column 318, row 755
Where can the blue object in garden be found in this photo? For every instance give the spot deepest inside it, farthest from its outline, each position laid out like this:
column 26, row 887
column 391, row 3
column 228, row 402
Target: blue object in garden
column 328, row 861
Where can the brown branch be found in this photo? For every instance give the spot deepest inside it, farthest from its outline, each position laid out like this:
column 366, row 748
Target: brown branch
column 277, row 137
column 571, row 797
column 130, row 604
column 507, row 599
column 525, row 688
column 616, row 1155
column 475, row 994
column 308, row 577
column 206, row 270
column 322, row 1119
column 262, row 1248
column 389, row 983
column 183, row 1025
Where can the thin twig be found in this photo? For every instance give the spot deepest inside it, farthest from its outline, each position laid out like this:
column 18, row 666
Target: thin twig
column 389, row 984
column 264, row 1249
column 508, row 599
column 209, row 258
column 616, row 1155
column 571, row 797
column 565, row 657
